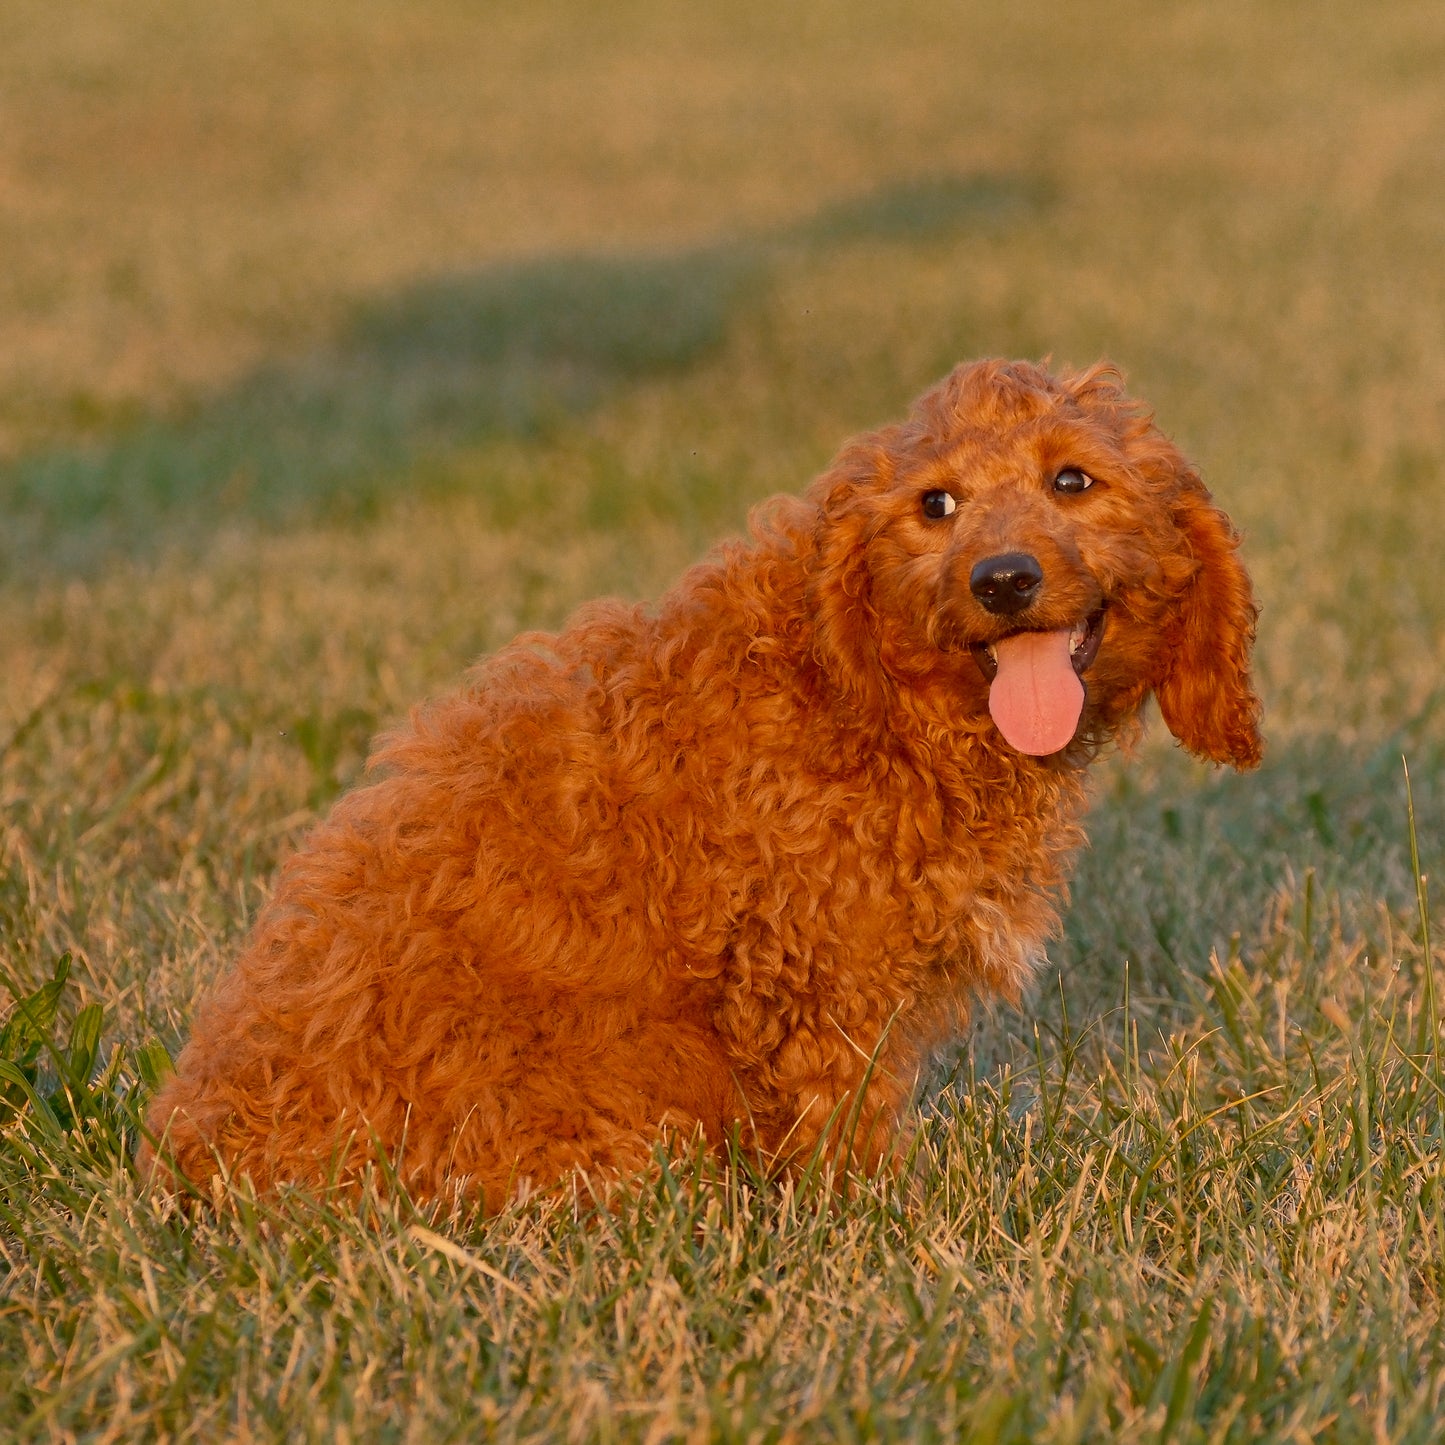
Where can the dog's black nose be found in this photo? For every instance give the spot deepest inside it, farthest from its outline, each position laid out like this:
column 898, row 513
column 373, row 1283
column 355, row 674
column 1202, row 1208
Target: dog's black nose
column 1006, row 584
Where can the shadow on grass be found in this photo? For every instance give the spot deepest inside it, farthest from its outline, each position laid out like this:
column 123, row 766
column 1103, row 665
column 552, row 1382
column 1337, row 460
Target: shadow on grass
column 510, row 350
column 1181, row 858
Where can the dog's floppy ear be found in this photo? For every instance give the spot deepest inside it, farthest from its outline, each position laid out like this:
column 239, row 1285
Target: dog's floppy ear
column 840, row 589
column 1204, row 688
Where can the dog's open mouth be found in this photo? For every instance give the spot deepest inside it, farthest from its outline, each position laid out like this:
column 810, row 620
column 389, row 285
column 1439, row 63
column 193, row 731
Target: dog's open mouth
column 1084, row 640
column 1036, row 689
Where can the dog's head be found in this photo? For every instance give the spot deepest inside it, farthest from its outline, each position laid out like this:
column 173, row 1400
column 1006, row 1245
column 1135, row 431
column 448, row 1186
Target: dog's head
column 1031, row 547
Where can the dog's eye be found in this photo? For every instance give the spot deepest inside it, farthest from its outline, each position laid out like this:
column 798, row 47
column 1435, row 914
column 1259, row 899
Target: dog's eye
column 1072, row 481
column 938, row 504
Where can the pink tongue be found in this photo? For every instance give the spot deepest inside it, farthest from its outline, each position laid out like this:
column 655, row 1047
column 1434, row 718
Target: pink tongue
column 1037, row 697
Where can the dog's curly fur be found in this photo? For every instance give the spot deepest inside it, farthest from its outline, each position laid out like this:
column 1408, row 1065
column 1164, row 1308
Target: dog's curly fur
column 691, row 868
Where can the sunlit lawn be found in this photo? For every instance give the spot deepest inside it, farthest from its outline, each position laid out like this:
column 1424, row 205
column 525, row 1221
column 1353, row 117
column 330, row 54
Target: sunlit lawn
column 340, row 342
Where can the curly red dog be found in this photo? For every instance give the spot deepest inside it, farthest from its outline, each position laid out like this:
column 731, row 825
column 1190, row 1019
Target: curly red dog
column 733, row 865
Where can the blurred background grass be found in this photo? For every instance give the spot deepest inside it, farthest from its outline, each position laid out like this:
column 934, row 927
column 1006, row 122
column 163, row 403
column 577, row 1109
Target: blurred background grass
column 339, row 342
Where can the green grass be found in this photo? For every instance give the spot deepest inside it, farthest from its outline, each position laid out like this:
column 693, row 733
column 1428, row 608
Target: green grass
column 342, row 342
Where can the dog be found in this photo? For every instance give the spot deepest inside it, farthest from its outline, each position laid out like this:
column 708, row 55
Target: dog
column 733, row 867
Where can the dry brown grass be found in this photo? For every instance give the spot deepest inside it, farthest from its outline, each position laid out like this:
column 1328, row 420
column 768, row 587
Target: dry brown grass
column 256, row 503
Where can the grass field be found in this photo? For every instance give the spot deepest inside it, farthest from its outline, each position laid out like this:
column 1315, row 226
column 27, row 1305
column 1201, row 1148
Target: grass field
column 339, row 342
